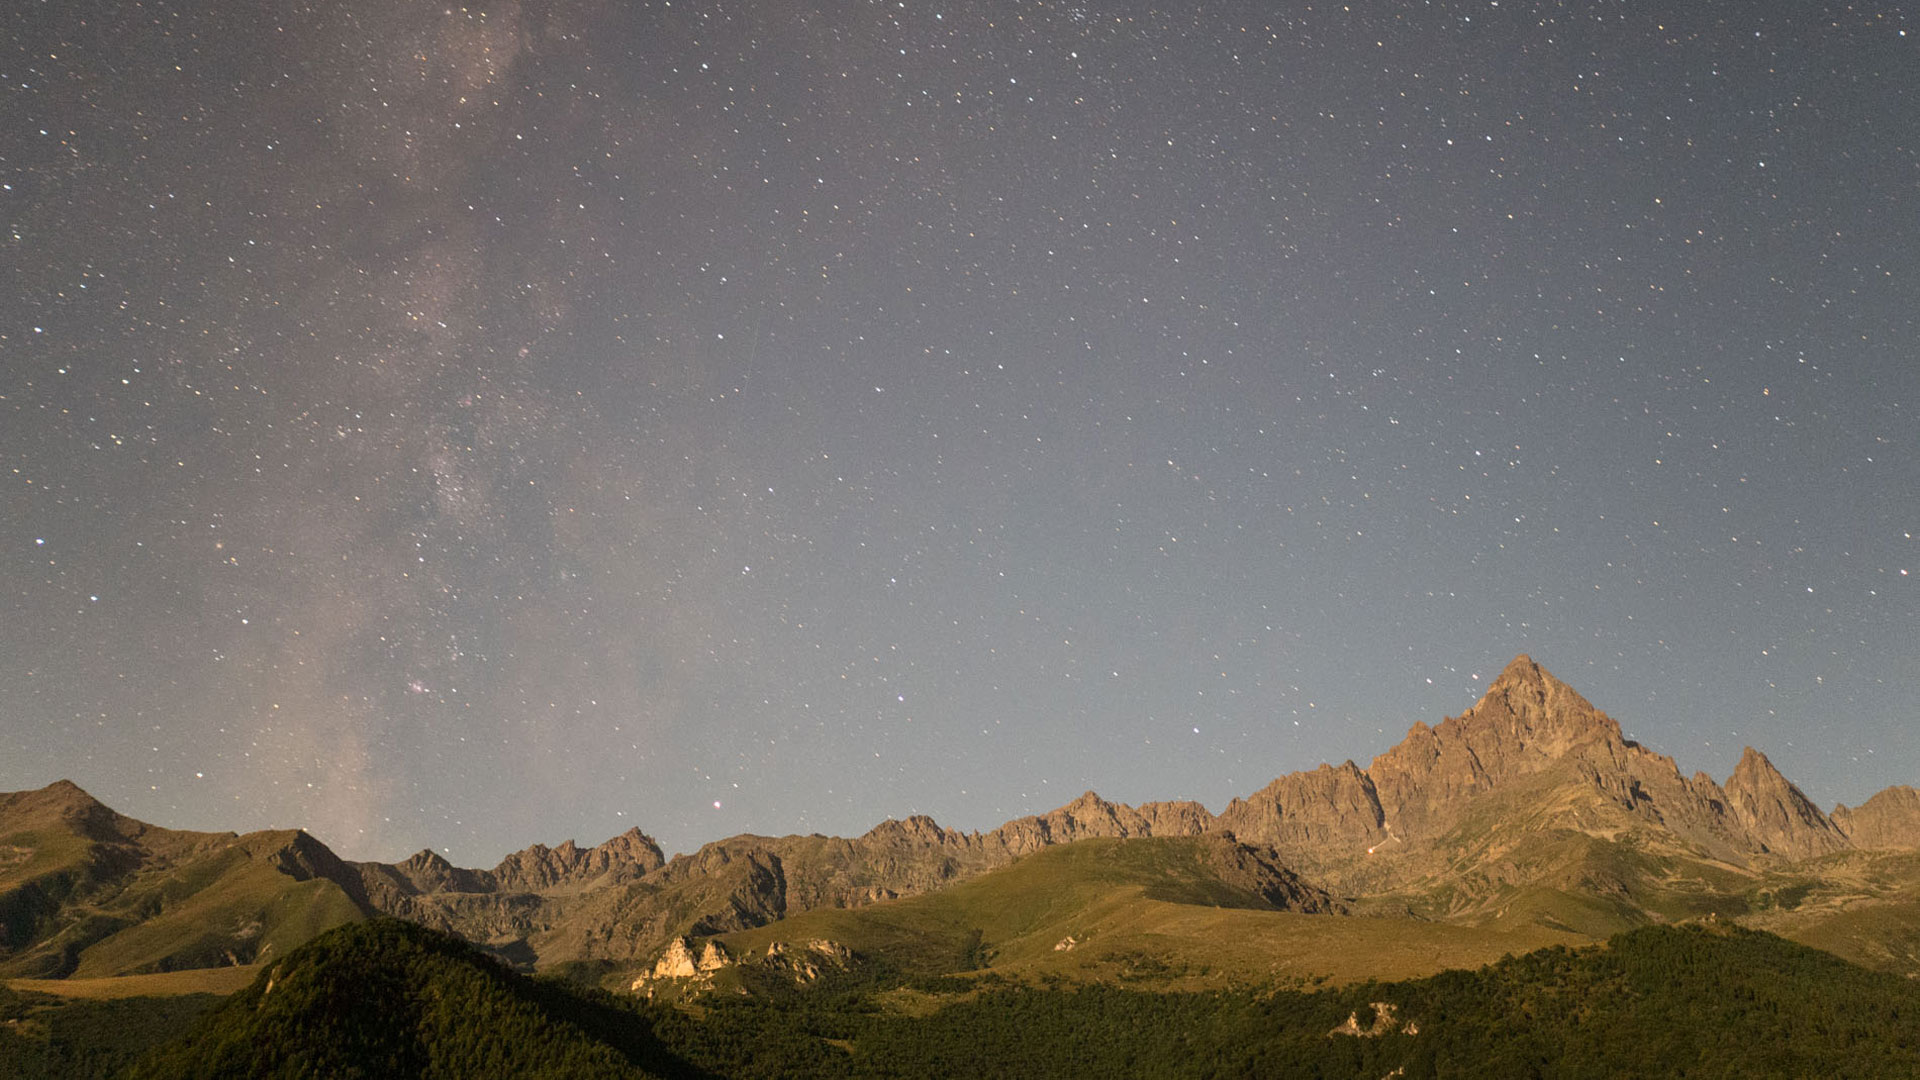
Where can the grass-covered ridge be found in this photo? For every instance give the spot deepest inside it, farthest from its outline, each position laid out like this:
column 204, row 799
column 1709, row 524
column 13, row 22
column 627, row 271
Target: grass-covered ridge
column 87, row 892
column 1156, row 913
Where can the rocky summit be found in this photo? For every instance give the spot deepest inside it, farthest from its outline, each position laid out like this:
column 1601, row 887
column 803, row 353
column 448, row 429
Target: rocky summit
column 1530, row 807
column 1536, row 752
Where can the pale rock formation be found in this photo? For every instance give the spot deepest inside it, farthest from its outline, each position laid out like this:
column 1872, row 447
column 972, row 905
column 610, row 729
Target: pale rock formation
column 682, row 961
column 1385, row 1022
column 806, row 961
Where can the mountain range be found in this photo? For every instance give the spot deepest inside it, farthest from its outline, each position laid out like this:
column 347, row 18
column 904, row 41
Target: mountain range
column 1527, row 820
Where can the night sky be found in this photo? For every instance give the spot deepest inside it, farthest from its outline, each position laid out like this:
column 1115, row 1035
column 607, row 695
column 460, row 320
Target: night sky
column 474, row 426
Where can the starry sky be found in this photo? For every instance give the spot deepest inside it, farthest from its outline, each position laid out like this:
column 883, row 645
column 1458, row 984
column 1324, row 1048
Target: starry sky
column 474, row 426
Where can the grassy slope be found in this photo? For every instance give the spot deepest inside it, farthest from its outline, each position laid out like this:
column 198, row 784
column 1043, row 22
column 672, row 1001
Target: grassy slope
column 40, row 869
column 29, row 854
column 1147, row 911
column 208, row 901
column 1861, row 906
column 248, row 910
column 220, row 981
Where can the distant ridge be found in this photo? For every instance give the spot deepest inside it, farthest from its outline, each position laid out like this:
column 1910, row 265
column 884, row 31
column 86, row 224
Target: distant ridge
column 1530, row 794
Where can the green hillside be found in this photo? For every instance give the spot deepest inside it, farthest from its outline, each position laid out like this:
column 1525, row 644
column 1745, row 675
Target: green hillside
column 1147, row 912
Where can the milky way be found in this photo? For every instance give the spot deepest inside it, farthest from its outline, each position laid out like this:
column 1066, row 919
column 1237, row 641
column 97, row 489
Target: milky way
column 474, row 426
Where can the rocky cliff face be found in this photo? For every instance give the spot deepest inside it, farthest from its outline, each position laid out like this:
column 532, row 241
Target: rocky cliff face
column 539, row 868
column 1334, row 808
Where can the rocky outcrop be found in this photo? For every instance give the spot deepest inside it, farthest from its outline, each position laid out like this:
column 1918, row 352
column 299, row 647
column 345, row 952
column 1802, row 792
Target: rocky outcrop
column 680, row 961
column 806, row 961
column 1260, row 872
column 1888, row 821
column 691, row 967
column 687, row 968
column 1386, row 1021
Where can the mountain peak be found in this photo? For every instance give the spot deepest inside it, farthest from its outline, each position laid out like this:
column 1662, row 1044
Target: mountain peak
column 426, row 859
column 1755, row 765
column 1549, row 713
column 1526, row 720
column 1088, row 800
column 916, row 830
column 632, row 846
column 1776, row 813
column 64, row 794
column 1523, row 675
column 1091, row 815
column 1891, row 819
column 1522, row 667
column 65, row 802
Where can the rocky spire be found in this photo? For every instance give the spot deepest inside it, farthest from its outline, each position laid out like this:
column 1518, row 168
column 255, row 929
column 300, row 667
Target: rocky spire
column 1775, row 812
